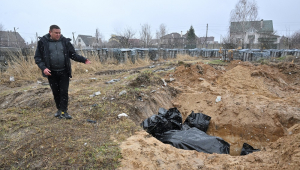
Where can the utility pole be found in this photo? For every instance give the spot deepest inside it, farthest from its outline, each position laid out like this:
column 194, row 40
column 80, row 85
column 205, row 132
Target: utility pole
column 206, row 35
column 8, row 32
column 97, row 38
column 16, row 36
column 36, row 35
column 73, row 39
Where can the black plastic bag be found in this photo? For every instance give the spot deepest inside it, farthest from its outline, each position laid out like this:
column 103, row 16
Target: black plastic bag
column 247, row 149
column 163, row 122
column 167, row 127
column 162, row 111
column 198, row 120
column 195, row 139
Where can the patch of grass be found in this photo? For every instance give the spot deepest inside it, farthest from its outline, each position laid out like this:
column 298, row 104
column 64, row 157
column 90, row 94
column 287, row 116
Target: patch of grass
column 131, row 77
column 281, row 58
column 108, row 154
column 290, row 58
column 264, row 61
column 219, row 62
column 142, row 79
column 125, row 125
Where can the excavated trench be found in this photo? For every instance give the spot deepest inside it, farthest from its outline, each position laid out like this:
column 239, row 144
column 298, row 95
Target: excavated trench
column 258, row 103
column 257, row 134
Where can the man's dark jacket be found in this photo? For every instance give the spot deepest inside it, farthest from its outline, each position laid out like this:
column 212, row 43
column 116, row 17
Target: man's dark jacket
column 42, row 54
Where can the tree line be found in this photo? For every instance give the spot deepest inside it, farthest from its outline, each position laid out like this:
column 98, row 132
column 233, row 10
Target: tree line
column 244, row 12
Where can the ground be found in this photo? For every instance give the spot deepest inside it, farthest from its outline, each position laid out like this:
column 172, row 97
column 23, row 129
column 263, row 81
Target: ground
column 259, row 105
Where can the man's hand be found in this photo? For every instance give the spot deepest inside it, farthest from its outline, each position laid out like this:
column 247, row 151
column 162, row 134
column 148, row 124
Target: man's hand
column 87, row 61
column 47, row 72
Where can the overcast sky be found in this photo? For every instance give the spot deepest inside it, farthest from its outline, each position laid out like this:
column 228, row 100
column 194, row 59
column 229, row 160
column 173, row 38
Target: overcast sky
column 112, row 16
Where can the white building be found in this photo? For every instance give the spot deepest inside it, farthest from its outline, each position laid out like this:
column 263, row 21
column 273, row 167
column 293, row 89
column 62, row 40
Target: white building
column 251, row 34
column 85, row 42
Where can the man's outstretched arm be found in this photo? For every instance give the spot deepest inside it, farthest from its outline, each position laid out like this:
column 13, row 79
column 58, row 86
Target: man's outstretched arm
column 74, row 56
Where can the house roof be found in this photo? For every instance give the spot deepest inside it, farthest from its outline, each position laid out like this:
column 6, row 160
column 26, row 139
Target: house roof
column 172, row 35
column 88, row 39
column 202, row 39
column 259, row 26
column 12, row 37
column 133, row 40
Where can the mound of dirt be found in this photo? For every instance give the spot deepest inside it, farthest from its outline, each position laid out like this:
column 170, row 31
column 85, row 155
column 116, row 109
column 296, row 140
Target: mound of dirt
column 141, row 151
column 27, row 98
column 145, row 79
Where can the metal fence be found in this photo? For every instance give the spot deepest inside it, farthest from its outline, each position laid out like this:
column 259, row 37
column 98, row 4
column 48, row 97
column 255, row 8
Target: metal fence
column 123, row 55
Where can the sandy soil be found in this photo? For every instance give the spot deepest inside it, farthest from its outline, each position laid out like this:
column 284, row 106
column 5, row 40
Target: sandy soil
column 259, row 105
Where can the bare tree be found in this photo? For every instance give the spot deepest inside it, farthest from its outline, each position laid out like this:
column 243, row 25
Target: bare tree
column 145, row 35
column 125, row 36
column 104, row 43
column 1, row 27
column 160, row 33
column 163, row 29
column 99, row 38
column 228, row 42
column 244, row 11
column 294, row 40
column 158, row 37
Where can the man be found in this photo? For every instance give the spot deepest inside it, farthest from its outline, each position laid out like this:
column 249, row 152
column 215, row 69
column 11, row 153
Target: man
column 53, row 55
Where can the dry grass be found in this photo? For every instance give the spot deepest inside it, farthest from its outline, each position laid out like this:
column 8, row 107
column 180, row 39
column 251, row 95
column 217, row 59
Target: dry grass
column 23, row 69
column 27, row 70
column 31, row 138
column 186, row 57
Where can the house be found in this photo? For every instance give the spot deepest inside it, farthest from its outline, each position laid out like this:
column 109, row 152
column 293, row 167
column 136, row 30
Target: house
column 11, row 39
column 85, row 42
column 176, row 40
column 115, row 41
column 173, row 40
column 134, row 42
column 208, row 40
column 251, row 34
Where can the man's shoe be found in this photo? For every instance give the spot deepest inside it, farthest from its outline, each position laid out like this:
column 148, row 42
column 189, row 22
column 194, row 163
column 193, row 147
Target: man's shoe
column 65, row 115
column 58, row 113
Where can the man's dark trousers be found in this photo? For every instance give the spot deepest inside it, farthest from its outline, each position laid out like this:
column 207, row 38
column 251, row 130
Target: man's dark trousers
column 59, row 83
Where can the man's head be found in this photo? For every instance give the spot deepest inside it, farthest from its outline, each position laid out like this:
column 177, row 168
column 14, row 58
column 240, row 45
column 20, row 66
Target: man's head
column 54, row 32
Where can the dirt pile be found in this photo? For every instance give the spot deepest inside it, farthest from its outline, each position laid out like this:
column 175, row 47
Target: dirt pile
column 258, row 105
column 142, row 151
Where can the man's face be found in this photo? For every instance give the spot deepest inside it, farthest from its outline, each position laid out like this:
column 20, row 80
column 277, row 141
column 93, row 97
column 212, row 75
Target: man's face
column 55, row 34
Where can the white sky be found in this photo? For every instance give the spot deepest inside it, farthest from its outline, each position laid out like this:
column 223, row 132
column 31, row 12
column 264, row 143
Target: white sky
column 112, row 16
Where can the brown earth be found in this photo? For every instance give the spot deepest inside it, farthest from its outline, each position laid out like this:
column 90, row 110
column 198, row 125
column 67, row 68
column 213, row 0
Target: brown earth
column 259, row 105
